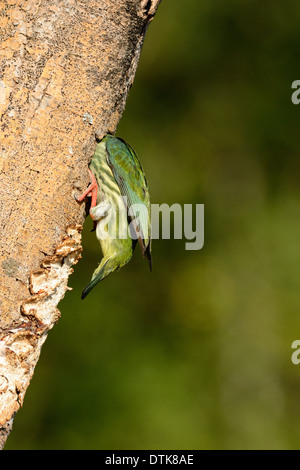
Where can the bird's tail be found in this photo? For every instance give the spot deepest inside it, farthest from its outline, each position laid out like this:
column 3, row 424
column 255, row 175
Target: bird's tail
column 99, row 274
column 107, row 266
column 89, row 287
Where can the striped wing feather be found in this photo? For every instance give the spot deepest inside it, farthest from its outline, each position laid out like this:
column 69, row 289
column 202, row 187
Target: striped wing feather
column 131, row 180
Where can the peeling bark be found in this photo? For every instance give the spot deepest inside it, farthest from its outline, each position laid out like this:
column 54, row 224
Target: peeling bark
column 66, row 67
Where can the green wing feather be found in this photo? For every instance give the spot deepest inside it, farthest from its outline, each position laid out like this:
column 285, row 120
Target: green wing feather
column 130, row 177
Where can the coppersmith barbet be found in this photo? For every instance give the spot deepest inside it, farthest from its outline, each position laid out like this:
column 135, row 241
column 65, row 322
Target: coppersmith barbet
column 120, row 206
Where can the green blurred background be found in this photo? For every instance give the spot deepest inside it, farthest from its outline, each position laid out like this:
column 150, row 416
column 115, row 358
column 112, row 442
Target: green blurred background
column 196, row 355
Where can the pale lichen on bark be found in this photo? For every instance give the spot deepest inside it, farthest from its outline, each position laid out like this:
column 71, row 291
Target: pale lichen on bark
column 65, row 71
column 20, row 346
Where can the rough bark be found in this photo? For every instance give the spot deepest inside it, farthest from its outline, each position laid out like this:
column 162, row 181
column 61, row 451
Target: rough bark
column 65, row 70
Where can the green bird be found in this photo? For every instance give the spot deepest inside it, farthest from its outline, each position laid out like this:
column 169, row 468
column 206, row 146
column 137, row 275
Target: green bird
column 120, row 206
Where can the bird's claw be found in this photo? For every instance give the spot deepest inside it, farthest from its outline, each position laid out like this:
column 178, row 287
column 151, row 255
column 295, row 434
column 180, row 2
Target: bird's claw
column 92, row 191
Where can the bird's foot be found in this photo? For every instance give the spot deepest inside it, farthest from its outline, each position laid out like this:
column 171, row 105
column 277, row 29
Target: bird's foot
column 92, row 191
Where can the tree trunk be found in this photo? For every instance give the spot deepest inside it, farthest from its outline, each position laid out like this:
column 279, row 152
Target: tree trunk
column 66, row 68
